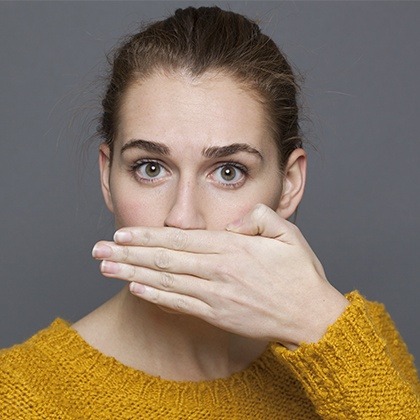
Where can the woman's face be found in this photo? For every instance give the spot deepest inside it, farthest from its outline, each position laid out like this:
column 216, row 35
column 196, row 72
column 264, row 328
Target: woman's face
column 189, row 154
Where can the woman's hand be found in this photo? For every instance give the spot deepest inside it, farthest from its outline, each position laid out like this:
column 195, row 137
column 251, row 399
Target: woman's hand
column 259, row 279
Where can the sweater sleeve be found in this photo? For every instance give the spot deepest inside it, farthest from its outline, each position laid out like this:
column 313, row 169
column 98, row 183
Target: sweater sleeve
column 360, row 369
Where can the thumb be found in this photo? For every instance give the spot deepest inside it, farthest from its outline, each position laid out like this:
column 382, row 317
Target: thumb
column 263, row 221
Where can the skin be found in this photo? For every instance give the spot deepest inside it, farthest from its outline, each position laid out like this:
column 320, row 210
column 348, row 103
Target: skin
column 203, row 238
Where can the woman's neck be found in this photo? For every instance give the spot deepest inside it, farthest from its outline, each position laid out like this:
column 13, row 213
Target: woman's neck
column 170, row 345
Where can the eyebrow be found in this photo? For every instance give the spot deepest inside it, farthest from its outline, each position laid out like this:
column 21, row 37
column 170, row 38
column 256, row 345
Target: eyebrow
column 231, row 149
column 210, row 152
column 148, row 146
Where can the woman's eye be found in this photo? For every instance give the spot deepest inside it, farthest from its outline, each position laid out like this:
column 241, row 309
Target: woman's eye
column 150, row 171
column 229, row 174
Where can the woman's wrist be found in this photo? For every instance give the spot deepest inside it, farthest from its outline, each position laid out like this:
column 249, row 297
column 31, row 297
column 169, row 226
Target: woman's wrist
column 316, row 316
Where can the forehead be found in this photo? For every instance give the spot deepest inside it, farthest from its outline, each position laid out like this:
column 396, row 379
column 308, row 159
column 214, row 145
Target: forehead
column 179, row 110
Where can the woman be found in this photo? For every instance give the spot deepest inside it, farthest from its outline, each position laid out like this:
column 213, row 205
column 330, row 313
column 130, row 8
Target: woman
column 227, row 312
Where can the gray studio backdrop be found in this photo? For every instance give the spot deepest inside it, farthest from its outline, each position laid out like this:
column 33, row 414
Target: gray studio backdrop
column 361, row 96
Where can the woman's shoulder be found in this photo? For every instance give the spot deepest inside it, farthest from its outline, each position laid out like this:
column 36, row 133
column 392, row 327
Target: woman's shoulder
column 35, row 352
column 25, row 369
column 38, row 339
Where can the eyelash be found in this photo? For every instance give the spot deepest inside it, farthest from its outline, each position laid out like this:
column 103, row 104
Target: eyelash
column 135, row 167
column 243, row 169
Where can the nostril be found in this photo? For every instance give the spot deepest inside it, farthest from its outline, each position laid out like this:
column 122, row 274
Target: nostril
column 184, row 222
column 185, row 212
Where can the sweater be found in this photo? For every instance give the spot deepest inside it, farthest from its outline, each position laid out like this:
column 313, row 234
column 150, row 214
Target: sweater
column 360, row 369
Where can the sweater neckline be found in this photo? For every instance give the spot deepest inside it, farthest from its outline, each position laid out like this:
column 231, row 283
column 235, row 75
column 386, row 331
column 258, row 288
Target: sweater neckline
column 109, row 363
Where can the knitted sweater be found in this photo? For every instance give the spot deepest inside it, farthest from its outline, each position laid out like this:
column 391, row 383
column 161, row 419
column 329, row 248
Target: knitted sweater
column 360, row 369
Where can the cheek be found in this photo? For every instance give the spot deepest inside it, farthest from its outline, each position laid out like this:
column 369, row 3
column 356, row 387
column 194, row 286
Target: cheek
column 137, row 211
column 271, row 198
column 134, row 206
column 218, row 217
column 224, row 211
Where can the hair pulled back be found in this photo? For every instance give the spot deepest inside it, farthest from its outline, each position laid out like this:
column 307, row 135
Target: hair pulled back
column 199, row 40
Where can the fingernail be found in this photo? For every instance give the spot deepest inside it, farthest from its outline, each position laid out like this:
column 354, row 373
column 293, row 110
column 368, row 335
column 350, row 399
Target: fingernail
column 123, row 237
column 137, row 289
column 109, row 267
column 234, row 225
column 101, row 251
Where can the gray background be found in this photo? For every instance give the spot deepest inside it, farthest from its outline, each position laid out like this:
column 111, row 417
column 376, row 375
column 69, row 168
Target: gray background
column 361, row 62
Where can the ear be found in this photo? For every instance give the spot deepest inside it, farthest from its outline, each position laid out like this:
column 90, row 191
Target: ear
column 105, row 171
column 293, row 183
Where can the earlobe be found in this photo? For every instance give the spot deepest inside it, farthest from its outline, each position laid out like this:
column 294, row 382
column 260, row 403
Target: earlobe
column 105, row 171
column 293, row 183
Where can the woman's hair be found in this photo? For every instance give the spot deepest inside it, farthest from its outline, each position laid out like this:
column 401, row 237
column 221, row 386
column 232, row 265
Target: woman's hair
column 207, row 39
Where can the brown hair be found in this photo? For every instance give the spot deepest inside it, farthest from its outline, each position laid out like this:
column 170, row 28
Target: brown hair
column 198, row 40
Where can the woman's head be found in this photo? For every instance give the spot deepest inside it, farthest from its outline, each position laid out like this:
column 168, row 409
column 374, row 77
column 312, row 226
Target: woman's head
column 197, row 41
column 200, row 124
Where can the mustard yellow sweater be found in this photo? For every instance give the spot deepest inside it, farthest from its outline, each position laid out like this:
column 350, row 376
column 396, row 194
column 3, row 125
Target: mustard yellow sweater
column 360, row 369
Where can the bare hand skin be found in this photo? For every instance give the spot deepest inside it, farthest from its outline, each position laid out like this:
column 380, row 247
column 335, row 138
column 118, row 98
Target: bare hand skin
column 260, row 279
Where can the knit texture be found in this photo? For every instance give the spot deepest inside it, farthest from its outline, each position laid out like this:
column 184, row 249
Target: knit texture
column 360, row 369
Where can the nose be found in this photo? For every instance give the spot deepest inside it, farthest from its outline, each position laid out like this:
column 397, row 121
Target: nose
column 185, row 212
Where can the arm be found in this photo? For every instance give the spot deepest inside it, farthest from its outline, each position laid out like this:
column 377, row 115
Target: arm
column 360, row 369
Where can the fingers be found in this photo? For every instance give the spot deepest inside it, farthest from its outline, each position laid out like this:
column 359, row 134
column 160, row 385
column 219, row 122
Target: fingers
column 264, row 221
column 161, row 280
column 181, row 293
column 160, row 259
column 261, row 221
column 180, row 303
column 193, row 252
column 198, row 241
